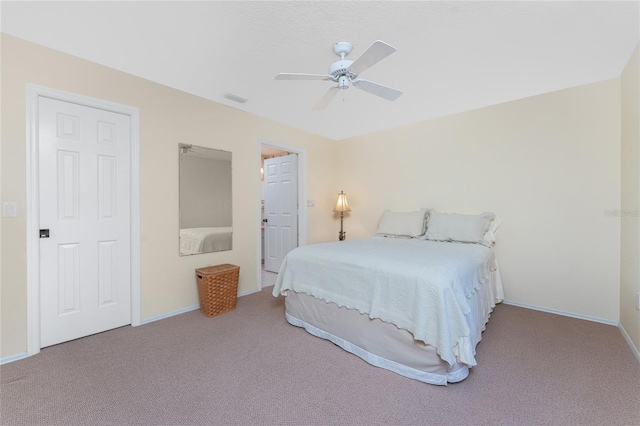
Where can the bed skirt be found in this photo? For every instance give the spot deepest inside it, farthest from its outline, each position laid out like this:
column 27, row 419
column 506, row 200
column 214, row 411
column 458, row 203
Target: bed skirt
column 379, row 343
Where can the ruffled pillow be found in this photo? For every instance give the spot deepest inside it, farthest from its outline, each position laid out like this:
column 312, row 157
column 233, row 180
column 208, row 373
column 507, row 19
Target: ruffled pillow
column 402, row 224
column 464, row 228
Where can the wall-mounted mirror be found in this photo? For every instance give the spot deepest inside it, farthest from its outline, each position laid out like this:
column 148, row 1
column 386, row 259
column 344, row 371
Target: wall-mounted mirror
column 205, row 200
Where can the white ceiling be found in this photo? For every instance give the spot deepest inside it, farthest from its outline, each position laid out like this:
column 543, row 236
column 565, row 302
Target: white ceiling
column 451, row 57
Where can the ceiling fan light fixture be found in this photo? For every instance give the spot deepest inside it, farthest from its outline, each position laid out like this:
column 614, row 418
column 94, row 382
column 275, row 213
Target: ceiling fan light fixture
column 343, row 82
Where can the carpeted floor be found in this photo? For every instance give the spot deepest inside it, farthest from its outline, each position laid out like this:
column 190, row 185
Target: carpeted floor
column 250, row 366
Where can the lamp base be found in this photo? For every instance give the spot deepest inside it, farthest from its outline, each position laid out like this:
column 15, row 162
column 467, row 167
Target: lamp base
column 342, row 235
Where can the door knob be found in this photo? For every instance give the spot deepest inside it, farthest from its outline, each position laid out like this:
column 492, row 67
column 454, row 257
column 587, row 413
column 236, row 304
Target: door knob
column 265, row 220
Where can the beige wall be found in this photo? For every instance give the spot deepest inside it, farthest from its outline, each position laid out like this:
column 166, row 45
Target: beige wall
column 167, row 117
column 630, row 222
column 548, row 166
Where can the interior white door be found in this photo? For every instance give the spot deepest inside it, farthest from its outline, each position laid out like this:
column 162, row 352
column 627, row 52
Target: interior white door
column 281, row 209
column 84, row 196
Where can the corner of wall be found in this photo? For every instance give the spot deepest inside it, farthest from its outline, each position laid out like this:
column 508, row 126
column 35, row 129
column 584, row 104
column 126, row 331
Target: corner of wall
column 630, row 201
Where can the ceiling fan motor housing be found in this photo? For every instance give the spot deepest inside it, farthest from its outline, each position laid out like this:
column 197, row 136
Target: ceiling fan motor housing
column 340, row 68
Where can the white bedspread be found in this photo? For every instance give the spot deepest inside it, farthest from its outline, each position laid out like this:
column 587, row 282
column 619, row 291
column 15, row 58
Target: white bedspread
column 425, row 287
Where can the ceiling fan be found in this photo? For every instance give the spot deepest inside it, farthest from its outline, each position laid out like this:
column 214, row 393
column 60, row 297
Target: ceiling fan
column 345, row 72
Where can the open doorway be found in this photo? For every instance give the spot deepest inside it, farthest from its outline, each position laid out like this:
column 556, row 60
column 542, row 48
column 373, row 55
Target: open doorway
column 281, row 218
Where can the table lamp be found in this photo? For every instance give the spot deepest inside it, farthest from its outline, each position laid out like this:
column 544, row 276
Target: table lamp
column 342, row 205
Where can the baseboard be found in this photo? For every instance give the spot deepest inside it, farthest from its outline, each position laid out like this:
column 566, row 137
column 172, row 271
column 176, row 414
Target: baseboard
column 635, row 350
column 187, row 309
column 12, row 358
column 563, row 313
column 170, row 314
column 245, row 293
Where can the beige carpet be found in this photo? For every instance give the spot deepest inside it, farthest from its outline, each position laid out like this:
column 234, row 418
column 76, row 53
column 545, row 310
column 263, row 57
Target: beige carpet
column 251, row 367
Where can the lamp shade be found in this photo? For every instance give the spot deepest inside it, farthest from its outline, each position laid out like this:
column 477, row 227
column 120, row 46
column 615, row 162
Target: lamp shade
column 342, row 205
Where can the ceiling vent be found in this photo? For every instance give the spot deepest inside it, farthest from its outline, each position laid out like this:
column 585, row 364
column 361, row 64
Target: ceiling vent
column 235, row 98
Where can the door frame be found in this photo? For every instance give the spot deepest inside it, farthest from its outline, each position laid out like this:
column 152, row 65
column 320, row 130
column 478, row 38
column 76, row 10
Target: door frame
column 34, row 92
column 302, row 197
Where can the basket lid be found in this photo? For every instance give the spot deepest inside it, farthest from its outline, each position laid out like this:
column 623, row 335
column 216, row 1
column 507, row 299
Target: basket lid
column 216, row 268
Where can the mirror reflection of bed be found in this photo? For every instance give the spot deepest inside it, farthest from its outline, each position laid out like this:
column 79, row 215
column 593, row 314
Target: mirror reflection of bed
column 205, row 200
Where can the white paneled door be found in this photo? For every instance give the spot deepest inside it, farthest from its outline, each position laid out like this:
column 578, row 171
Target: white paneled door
column 281, row 209
column 84, row 197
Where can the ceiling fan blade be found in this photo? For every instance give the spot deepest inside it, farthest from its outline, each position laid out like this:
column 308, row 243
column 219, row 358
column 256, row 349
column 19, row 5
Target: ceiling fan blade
column 298, row 76
column 374, row 54
column 326, row 99
column 377, row 89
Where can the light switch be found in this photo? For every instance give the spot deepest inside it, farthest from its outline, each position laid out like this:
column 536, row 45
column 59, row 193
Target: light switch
column 311, row 203
column 9, row 209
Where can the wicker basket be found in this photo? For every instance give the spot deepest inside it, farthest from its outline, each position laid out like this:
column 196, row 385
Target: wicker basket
column 217, row 288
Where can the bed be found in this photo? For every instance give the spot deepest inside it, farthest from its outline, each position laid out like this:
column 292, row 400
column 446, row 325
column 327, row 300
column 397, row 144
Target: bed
column 205, row 240
column 414, row 306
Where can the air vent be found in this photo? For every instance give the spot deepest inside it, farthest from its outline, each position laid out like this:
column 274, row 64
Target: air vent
column 235, row 98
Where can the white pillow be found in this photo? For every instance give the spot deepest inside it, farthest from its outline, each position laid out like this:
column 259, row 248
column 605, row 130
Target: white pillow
column 405, row 224
column 490, row 235
column 464, row 228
